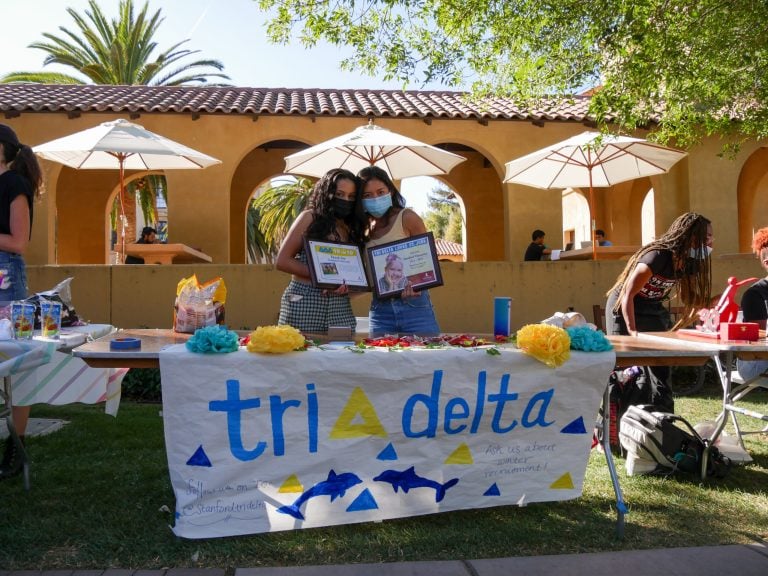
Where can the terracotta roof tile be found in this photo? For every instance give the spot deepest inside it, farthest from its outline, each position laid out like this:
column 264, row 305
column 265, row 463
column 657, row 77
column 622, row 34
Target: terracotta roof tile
column 447, row 248
column 19, row 98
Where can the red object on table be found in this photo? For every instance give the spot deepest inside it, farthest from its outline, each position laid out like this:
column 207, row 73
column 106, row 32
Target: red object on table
column 749, row 331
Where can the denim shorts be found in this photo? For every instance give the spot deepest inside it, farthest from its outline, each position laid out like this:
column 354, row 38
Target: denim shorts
column 13, row 285
column 404, row 316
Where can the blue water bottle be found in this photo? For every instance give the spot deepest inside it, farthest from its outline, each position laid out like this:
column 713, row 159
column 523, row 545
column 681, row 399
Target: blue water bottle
column 502, row 308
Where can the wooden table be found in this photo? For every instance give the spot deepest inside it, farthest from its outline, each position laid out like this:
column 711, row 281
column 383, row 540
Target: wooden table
column 660, row 349
column 167, row 253
column 603, row 253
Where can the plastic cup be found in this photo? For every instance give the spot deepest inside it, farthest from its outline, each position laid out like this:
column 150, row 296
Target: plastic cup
column 23, row 319
column 502, row 309
column 50, row 322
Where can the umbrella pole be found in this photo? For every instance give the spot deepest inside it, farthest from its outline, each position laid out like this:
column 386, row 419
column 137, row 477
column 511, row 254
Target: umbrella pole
column 593, row 223
column 120, row 159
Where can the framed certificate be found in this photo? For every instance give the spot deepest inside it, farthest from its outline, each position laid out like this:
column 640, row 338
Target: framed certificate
column 395, row 264
column 332, row 264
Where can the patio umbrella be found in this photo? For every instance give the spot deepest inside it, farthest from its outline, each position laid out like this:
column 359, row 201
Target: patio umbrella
column 371, row 145
column 123, row 145
column 591, row 159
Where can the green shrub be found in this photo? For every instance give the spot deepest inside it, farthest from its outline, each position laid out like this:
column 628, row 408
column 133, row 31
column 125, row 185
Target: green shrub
column 142, row 385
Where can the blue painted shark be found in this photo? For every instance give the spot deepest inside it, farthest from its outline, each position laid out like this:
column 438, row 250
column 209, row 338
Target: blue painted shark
column 408, row 479
column 335, row 486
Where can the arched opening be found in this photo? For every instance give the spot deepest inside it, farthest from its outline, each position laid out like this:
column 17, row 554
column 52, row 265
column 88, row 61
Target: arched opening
column 648, row 218
column 576, row 220
column 443, row 212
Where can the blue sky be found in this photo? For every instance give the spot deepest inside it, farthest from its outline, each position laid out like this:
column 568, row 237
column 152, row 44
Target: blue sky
column 231, row 31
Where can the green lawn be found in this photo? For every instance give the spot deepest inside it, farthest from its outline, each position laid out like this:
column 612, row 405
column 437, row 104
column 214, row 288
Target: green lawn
column 101, row 498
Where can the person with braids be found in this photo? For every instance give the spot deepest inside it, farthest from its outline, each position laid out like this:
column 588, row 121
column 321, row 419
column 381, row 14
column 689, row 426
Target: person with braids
column 408, row 311
column 678, row 260
column 332, row 215
column 754, row 305
column 20, row 184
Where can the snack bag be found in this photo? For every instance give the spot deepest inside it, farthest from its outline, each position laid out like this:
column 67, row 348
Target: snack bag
column 198, row 305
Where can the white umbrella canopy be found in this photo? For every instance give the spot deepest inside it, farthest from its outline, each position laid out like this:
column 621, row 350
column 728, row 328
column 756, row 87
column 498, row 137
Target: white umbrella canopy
column 122, row 145
column 112, row 144
column 400, row 156
column 592, row 160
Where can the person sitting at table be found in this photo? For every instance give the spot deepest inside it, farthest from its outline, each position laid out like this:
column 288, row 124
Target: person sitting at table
column 393, row 278
column 678, row 260
column 600, row 238
column 409, row 312
column 21, row 181
column 148, row 236
column 536, row 249
column 333, row 215
column 754, row 305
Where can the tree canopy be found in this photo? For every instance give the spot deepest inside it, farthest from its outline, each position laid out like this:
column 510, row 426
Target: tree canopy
column 118, row 51
column 693, row 67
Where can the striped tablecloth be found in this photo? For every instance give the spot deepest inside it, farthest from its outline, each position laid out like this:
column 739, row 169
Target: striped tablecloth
column 66, row 379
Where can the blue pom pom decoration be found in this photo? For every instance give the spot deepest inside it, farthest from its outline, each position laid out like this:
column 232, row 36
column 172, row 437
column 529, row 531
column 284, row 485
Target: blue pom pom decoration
column 213, row 340
column 589, row 340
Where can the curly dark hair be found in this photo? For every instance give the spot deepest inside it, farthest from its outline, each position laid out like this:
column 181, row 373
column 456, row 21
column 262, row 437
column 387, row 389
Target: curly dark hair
column 688, row 231
column 323, row 226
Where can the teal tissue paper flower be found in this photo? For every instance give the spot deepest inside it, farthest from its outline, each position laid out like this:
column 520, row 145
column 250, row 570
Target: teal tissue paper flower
column 213, row 340
column 589, row 340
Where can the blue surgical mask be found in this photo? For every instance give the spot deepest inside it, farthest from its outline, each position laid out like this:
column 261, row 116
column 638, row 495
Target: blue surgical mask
column 378, row 206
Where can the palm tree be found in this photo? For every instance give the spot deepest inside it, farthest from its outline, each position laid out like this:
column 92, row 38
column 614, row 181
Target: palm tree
column 117, row 52
column 271, row 214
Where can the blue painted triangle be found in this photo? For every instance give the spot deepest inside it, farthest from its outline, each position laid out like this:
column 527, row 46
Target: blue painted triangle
column 388, row 453
column 492, row 491
column 199, row 458
column 365, row 501
column 575, row 427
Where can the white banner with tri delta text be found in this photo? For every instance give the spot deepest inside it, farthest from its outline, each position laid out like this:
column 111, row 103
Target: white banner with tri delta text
column 263, row 442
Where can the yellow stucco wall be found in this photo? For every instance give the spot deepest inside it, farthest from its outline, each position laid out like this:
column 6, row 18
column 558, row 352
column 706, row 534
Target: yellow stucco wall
column 143, row 296
column 207, row 207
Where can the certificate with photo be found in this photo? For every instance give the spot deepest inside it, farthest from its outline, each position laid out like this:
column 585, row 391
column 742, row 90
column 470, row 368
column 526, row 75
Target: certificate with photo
column 394, row 264
column 332, row 264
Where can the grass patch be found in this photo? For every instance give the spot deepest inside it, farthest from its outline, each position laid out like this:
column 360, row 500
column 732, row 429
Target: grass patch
column 99, row 485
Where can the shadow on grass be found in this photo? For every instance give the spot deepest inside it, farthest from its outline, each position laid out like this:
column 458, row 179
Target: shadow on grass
column 101, row 498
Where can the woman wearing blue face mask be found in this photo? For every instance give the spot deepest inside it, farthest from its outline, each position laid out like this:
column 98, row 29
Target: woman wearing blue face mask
column 678, row 260
column 332, row 215
column 409, row 312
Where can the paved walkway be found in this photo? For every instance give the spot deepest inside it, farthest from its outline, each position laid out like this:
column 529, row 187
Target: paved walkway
column 747, row 560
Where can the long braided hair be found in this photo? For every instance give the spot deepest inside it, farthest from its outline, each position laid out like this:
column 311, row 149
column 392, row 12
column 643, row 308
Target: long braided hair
column 688, row 232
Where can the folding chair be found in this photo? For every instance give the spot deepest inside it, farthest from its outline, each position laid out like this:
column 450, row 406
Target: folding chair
column 738, row 390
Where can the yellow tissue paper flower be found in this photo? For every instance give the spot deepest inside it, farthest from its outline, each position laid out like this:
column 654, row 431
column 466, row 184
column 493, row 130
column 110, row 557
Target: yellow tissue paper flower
column 546, row 343
column 275, row 339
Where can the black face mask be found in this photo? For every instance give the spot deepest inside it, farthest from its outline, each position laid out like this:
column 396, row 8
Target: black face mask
column 342, row 208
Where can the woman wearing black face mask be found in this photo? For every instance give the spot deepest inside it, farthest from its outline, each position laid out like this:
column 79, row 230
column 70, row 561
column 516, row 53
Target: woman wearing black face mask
column 677, row 261
column 332, row 215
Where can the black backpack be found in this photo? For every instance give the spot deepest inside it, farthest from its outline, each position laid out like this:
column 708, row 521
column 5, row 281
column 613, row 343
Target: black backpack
column 626, row 388
column 663, row 443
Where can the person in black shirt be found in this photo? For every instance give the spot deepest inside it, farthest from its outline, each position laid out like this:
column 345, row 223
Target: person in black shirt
column 148, row 236
column 754, row 305
column 536, row 249
column 678, row 260
column 20, row 184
